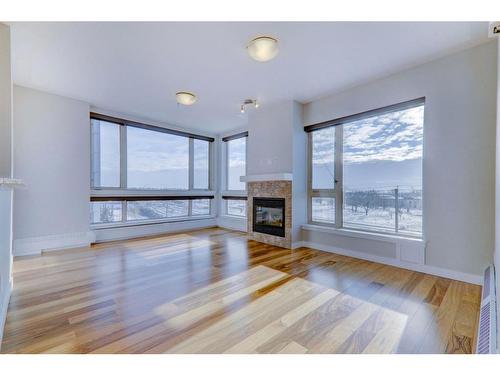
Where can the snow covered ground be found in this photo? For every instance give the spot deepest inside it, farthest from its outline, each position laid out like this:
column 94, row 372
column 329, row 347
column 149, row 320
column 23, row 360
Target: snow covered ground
column 107, row 212
column 377, row 219
column 236, row 207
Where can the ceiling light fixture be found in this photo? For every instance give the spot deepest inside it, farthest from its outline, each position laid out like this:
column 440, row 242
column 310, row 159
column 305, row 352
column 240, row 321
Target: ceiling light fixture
column 185, row 98
column 249, row 102
column 263, row 48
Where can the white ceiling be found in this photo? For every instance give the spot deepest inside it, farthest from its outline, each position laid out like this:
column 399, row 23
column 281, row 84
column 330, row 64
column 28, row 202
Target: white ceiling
column 136, row 68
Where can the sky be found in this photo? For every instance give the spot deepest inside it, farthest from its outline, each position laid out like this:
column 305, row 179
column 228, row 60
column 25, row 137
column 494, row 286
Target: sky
column 236, row 150
column 154, row 160
column 379, row 152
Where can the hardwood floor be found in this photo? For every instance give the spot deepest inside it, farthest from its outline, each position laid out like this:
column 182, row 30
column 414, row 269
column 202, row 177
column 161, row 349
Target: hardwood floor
column 212, row 291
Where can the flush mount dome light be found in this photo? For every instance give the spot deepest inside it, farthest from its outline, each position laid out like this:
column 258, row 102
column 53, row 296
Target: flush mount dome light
column 263, row 48
column 185, row 98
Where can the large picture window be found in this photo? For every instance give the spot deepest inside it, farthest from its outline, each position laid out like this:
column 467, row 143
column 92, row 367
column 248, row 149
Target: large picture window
column 235, row 167
column 106, row 154
column 157, row 160
column 132, row 161
column 201, row 154
column 366, row 170
column 236, row 163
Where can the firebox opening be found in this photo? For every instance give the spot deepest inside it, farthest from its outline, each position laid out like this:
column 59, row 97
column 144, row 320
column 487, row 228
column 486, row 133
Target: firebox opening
column 269, row 216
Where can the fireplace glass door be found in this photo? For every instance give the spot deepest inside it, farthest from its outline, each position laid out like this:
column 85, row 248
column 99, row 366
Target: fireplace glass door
column 269, row 216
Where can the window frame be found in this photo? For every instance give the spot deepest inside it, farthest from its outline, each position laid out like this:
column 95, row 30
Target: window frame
column 124, row 194
column 338, row 192
column 93, row 154
column 226, row 193
column 226, row 199
column 226, row 141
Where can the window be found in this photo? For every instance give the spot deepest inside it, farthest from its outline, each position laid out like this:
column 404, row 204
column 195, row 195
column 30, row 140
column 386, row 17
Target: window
column 236, row 207
column 366, row 170
column 130, row 159
column 236, row 163
column 106, row 154
column 200, row 207
column 157, row 160
column 201, row 161
column 105, row 212
column 154, row 210
column 234, row 203
column 323, row 175
column 133, row 209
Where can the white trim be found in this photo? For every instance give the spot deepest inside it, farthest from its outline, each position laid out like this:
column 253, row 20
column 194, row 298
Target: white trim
column 437, row 271
column 267, row 177
column 232, row 222
column 151, row 121
column 235, row 193
column 360, row 234
column 110, row 192
column 37, row 245
column 124, row 233
column 136, row 223
column 4, row 308
column 296, row 245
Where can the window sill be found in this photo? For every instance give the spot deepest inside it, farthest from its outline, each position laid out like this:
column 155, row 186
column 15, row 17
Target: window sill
column 226, row 216
column 236, row 193
column 360, row 234
column 97, row 192
column 137, row 223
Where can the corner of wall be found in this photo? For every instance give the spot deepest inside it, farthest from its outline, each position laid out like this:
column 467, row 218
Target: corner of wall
column 496, row 255
column 4, row 304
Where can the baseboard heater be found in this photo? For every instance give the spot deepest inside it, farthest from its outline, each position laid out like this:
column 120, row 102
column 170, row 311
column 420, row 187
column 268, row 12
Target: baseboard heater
column 487, row 334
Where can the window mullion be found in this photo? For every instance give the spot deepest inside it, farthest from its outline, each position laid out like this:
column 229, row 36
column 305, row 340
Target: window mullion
column 211, row 164
column 124, row 211
column 246, row 161
column 226, row 165
column 123, row 157
column 309, row 177
column 190, row 207
column 191, row 164
column 339, row 166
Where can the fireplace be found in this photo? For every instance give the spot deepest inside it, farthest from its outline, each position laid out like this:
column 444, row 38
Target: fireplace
column 269, row 216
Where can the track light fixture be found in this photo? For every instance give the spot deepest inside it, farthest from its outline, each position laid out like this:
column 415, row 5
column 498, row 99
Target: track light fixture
column 248, row 102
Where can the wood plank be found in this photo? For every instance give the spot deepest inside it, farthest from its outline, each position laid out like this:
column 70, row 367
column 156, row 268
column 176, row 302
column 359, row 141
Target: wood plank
column 214, row 291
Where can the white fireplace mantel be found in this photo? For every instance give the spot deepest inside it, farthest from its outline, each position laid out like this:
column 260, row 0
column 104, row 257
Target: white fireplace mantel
column 267, row 177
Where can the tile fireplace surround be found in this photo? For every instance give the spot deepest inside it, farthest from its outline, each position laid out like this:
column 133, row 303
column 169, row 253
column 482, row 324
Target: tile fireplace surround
column 271, row 189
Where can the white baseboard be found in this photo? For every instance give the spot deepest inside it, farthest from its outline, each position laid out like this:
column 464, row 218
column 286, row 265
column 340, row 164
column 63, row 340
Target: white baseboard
column 3, row 308
column 233, row 223
column 125, row 233
column 37, row 245
column 437, row 271
column 296, row 245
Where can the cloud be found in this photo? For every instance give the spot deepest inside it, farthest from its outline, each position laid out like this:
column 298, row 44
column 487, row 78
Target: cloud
column 395, row 136
column 152, row 151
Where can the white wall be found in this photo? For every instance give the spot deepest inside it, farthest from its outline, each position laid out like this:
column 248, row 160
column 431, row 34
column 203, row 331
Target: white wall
column 5, row 102
column 52, row 156
column 497, row 191
column 459, row 149
column 134, row 231
column 5, row 171
column 270, row 139
column 277, row 143
column 299, row 170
